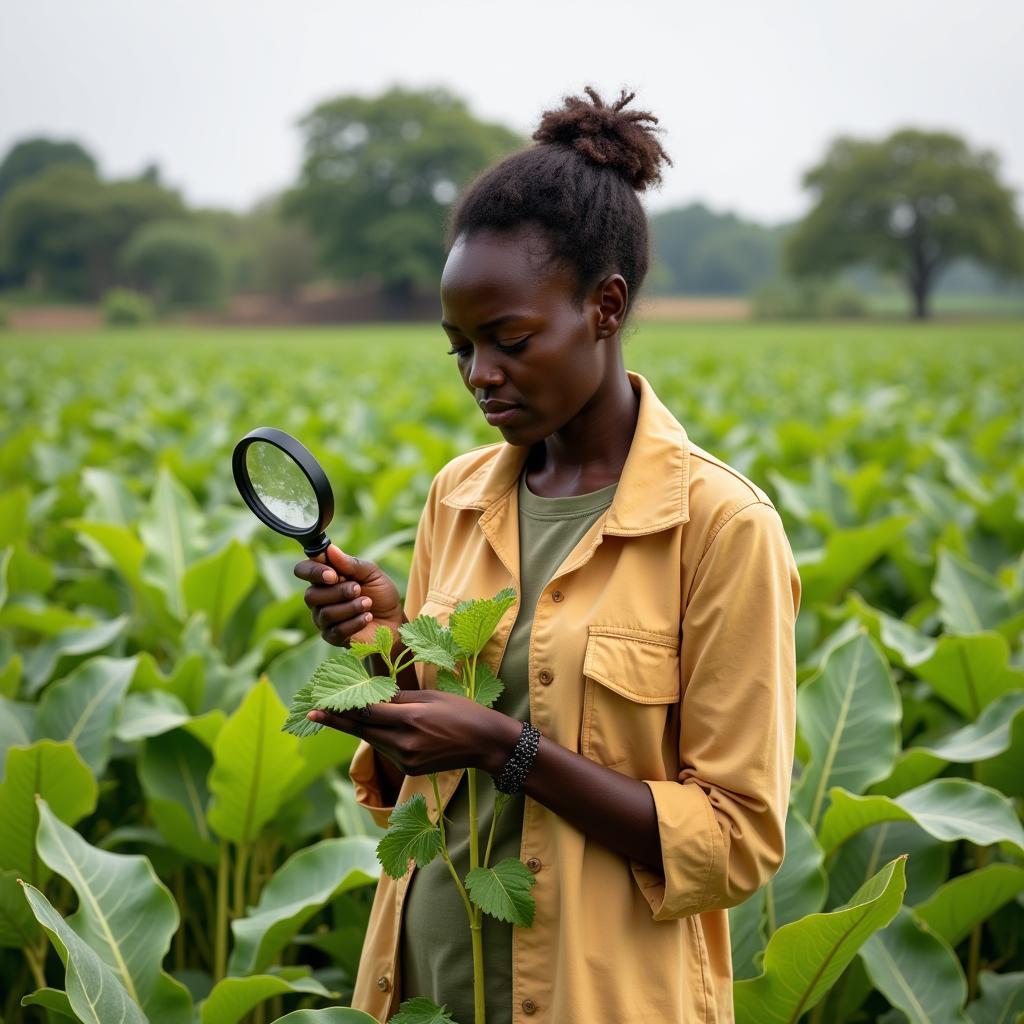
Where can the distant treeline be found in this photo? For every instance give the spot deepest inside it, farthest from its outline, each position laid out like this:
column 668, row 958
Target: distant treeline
column 700, row 252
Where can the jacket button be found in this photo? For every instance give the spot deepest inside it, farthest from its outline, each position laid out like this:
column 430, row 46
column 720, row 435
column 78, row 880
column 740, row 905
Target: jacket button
column 529, row 1006
column 557, row 596
column 533, row 864
column 545, row 677
column 383, row 984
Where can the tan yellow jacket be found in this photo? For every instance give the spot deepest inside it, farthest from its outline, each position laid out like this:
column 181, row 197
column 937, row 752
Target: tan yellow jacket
column 669, row 657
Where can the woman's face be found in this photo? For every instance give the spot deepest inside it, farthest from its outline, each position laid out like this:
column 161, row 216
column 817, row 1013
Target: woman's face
column 517, row 337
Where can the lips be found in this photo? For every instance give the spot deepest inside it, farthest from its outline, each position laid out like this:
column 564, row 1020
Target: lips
column 494, row 405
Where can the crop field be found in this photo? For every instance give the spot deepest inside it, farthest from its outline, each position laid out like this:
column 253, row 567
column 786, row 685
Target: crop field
column 167, row 854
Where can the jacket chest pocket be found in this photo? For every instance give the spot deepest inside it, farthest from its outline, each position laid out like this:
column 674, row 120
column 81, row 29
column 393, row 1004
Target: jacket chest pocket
column 631, row 688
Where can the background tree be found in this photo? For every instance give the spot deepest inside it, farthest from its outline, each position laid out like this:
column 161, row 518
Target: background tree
column 912, row 204
column 30, row 157
column 378, row 175
column 61, row 230
column 177, row 263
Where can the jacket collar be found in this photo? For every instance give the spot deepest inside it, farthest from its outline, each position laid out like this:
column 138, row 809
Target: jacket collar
column 653, row 491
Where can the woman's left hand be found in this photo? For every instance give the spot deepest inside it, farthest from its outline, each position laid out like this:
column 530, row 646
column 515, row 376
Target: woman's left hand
column 425, row 731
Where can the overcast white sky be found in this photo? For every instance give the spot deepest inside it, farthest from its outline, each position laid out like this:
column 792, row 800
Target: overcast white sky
column 750, row 91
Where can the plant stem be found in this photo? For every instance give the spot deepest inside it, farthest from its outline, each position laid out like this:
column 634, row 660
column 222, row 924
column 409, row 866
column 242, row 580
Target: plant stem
column 444, row 850
column 241, row 862
column 490, row 836
column 981, row 856
column 179, row 935
column 476, row 930
column 220, row 935
column 36, row 966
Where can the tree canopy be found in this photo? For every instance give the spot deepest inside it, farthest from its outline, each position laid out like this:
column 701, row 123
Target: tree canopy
column 30, row 157
column 378, row 175
column 913, row 204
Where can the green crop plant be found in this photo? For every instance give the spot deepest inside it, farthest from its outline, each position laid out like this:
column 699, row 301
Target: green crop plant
column 342, row 683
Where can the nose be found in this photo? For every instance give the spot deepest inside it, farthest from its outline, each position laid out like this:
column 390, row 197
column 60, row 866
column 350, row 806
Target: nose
column 483, row 371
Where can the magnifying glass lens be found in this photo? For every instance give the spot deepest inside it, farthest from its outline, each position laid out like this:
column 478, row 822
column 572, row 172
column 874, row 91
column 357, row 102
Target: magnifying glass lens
column 281, row 485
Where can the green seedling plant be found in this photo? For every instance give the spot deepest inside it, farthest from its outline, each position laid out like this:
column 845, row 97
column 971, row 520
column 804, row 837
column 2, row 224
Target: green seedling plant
column 343, row 683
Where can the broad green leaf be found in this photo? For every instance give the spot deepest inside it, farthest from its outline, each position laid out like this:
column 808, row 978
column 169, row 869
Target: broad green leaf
column 10, row 676
column 70, row 642
column 916, row 971
column 57, row 773
column 17, row 726
column 1001, row 1000
column 430, row 642
column 172, row 530
column 748, row 935
column 173, row 769
column 849, row 715
column 293, row 669
column 805, row 958
column 14, row 514
column 53, row 1000
column 253, row 763
column 420, row 1010
column 903, row 644
column 411, row 836
column 150, row 714
column 826, row 573
column 218, row 584
column 5, row 561
column 125, row 913
column 330, row 1015
column 94, row 990
column 799, row 887
column 956, row 907
column 331, row 750
column 352, row 819
column 302, row 885
column 503, row 891
column 472, row 622
column 975, row 743
column 17, row 925
column 970, row 672
column 232, row 998
column 970, row 600
column 185, row 681
column 948, row 809
column 1005, row 771
column 27, row 572
column 84, row 707
column 111, row 501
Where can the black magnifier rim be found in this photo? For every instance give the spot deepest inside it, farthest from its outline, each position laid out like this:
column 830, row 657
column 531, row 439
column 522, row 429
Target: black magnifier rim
column 305, row 460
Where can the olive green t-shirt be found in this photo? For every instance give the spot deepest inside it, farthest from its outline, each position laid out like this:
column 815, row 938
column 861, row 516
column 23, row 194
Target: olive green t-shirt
column 436, row 953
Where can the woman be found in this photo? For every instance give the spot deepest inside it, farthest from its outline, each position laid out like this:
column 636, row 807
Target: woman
column 652, row 642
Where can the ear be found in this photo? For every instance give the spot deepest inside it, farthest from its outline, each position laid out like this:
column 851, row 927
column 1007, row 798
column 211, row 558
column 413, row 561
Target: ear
column 608, row 300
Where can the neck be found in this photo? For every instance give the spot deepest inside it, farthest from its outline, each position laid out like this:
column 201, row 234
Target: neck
column 588, row 453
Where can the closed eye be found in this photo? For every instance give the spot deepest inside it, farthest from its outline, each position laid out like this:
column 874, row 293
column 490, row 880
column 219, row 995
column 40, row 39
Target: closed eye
column 511, row 349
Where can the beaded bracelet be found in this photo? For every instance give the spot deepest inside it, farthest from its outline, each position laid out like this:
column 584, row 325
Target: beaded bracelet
column 512, row 775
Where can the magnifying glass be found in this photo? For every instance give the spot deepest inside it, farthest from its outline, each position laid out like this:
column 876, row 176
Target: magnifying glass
column 286, row 488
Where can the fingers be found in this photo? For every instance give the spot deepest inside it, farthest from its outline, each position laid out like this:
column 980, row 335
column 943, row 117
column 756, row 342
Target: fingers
column 319, row 596
column 349, row 565
column 315, row 572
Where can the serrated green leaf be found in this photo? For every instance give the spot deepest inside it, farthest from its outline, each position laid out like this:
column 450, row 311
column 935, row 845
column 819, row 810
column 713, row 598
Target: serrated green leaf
column 430, row 642
column 448, row 682
column 473, row 622
column 488, row 687
column 503, row 891
column 411, row 836
column 421, row 1010
column 383, row 641
column 302, row 703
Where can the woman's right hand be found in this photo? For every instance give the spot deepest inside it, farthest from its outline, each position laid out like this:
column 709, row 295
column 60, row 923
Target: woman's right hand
column 348, row 597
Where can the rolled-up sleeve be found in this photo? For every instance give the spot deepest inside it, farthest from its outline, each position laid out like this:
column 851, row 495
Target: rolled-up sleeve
column 722, row 821
column 363, row 768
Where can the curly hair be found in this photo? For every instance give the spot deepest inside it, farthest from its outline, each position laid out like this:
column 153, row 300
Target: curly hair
column 578, row 184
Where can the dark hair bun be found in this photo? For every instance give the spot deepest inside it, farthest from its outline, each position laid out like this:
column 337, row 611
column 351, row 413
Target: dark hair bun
column 608, row 135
